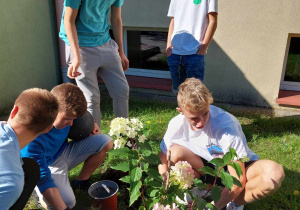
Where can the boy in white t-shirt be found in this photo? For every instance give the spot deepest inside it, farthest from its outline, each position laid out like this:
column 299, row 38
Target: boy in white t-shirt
column 202, row 132
column 191, row 30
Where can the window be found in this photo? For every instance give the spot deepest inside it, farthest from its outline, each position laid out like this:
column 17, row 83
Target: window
column 291, row 69
column 146, row 51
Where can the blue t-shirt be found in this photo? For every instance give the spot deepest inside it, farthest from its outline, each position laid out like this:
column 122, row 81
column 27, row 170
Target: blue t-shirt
column 45, row 149
column 91, row 21
column 11, row 171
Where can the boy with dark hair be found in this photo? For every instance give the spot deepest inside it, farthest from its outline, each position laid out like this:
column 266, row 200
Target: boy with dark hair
column 56, row 156
column 201, row 132
column 34, row 113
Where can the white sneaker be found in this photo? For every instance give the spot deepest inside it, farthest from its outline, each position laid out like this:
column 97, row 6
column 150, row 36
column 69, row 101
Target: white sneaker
column 196, row 192
column 233, row 206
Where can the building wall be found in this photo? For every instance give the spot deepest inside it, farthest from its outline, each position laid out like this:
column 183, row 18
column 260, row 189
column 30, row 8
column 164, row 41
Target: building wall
column 245, row 59
column 29, row 54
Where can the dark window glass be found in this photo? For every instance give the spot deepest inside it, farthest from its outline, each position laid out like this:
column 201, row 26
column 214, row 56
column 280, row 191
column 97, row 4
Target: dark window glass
column 292, row 71
column 147, row 50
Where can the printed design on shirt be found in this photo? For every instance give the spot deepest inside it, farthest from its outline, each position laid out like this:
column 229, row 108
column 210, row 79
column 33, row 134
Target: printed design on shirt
column 197, row 1
column 215, row 150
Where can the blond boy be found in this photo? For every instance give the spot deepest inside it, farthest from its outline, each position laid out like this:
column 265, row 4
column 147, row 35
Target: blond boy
column 33, row 113
column 201, row 132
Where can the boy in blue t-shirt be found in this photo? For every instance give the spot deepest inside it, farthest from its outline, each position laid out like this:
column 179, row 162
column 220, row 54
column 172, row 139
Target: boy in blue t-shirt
column 56, row 155
column 33, row 113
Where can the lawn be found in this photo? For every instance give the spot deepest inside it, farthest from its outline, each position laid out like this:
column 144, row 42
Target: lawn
column 271, row 138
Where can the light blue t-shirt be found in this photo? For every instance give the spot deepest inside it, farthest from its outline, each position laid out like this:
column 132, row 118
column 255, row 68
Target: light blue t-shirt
column 91, row 21
column 11, row 172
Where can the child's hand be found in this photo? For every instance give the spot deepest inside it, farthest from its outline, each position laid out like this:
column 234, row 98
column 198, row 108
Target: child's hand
column 72, row 70
column 96, row 129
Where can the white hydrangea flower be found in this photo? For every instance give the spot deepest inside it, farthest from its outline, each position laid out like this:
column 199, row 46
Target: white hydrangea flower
column 123, row 129
column 182, row 174
column 142, row 138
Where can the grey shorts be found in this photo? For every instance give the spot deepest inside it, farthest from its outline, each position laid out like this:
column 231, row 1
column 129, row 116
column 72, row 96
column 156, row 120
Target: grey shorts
column 75, row 153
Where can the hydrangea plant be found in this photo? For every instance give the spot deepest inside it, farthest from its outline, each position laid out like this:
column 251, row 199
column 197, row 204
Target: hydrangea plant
column 146, row 183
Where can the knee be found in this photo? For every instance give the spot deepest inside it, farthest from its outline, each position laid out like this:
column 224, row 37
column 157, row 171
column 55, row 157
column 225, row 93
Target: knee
column 178, row 153
column 273, row 175
column 122, row 92
column 70, row 202
column 108, row 147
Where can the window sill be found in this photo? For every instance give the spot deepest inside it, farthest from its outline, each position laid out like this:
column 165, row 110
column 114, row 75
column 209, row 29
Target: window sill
column 288, row 97
column 147, row 82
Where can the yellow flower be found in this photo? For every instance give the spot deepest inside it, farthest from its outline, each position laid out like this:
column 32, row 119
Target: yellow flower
column 148, row 122
column 296, row 192
column 150, row 130
column 160, row 121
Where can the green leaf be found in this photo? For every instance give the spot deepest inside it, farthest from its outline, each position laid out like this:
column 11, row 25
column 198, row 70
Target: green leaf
column 134, row 191
column 123, row 152
column 145, row 166
column 152, row 159
column 145, row 145
column 146, row 153
column 227, row 180
column 200, row 203
column 199, row 184
column 153, row 193
column 227, row 157
column 211, row 207
column 135, row 174
column 154, row 184
column 142, row 208
column 121, row 166
column 215, row 193
column 155, row 175
column 236, row 182
column 208, row 170
column 125, row 179
column 233, row 152
column 218, row 161
column 237, row 168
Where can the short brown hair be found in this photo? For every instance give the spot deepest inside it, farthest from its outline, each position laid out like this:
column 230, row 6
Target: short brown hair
column 37, row 109
column 70, row 98
column 193, row 95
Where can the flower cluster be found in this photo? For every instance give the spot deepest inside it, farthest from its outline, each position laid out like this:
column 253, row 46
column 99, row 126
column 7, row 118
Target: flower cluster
column 124, row 129
column 159, row 206
column 182, row 174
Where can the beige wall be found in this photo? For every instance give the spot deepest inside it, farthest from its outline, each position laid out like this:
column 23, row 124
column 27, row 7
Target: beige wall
column 28, row 48
column 245, row 59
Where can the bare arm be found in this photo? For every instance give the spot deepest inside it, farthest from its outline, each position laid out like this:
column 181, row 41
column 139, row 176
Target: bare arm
column 54, row 198
column 210, row 31
column 226, row 195
column 169, row 45
column 163, row 167
column 70, row 27
column 117, row 28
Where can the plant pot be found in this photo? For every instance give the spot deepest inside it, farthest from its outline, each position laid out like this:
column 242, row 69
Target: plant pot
column 104, row 195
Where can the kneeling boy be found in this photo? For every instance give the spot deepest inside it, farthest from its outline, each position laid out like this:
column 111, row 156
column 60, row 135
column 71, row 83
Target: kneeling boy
column 33, row 113
column 56, row 156
column 201, row 132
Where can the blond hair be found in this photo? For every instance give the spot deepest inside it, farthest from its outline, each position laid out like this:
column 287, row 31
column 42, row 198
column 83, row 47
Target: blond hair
column 193, row 95
column 70, row 98
column 37, row 109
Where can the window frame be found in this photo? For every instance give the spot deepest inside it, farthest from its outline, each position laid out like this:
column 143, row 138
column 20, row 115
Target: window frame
column 288, row 85
column 144, row 72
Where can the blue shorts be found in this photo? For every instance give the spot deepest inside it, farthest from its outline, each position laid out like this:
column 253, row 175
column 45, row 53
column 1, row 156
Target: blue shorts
column 185, row 66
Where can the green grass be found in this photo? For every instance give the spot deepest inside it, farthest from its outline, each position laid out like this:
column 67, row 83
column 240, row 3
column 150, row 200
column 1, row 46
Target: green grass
column 271, row 138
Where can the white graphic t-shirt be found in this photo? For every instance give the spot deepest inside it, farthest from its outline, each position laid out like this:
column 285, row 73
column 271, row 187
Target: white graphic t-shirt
column 222, row 131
